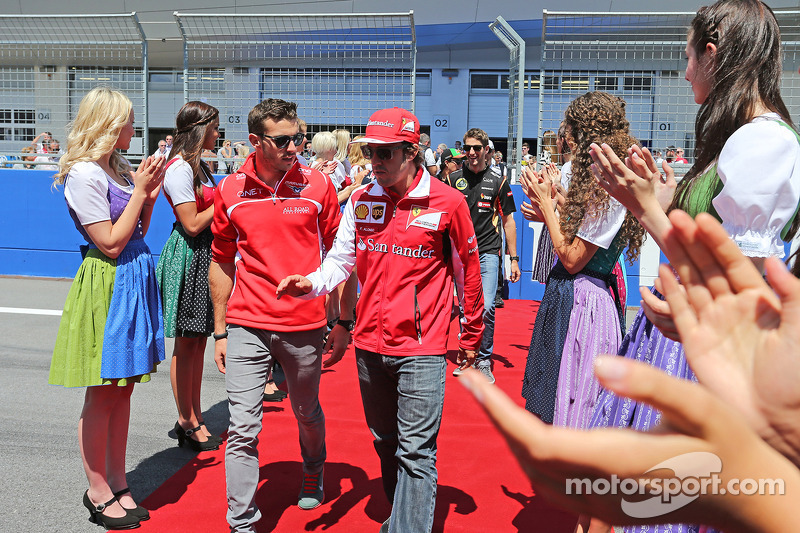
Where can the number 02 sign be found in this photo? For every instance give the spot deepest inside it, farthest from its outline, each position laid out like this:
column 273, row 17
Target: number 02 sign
column 441, row 122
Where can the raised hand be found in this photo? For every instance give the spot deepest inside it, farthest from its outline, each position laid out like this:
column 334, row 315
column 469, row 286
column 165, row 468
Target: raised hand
column 149, row 176
column 554, row 456
column 741, row 340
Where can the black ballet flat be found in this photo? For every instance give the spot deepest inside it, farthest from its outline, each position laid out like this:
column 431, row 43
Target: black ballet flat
column 96, row 515
column 184, row 436
column 139, row 512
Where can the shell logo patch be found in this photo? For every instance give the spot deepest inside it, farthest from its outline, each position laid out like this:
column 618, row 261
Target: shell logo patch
column 362, row 211
column 424, row 217
column 370, row 212
column 461, row 184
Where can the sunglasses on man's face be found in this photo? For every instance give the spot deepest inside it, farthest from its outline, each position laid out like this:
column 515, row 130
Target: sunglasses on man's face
column 470, row 147
column 282, row 141
column 384, row 154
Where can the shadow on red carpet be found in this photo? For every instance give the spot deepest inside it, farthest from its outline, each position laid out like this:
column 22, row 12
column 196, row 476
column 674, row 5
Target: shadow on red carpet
column 481, row 486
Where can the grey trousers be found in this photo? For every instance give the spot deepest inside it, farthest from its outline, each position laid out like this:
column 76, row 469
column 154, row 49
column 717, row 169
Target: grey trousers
column 250, row 355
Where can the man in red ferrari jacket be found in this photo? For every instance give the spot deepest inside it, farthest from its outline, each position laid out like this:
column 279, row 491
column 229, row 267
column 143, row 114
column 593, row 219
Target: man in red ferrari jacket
column 410, row 236
column 271, row 217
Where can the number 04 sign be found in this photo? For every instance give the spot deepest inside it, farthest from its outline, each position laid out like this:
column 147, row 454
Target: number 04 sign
column 441, row 122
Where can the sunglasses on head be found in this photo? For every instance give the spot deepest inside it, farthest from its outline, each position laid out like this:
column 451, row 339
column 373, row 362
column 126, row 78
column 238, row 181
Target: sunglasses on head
column 476, row 147
column 383, row 154
column 282, row 141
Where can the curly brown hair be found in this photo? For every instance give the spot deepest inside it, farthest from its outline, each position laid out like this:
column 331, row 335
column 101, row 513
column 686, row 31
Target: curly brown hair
column 596, row 117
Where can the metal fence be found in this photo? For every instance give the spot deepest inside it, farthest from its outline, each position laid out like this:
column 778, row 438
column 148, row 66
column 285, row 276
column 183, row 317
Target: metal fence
column 49, row 62
column 640, row 57
column 338, row 68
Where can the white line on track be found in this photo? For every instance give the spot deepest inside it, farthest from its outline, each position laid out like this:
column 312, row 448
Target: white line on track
column 28, row 311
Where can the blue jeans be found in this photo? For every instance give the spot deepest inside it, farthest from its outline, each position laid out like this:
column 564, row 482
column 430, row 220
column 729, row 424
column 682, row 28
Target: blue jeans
column 490, row 267
column 403, row 399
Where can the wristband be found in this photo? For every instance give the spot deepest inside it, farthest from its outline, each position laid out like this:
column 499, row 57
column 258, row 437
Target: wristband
column 515, row 258
column 346, row 324
column 220, row 336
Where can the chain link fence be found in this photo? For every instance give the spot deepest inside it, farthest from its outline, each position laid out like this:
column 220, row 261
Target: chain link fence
column 338, row 68
column 49, row 62
column 641, row 58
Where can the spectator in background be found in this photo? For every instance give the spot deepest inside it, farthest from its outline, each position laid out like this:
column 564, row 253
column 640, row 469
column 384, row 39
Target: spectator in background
column 457, row 146
column 41, row 143
column 679, row 156
column 304, row 143
column 242, row 151
column 526, row 148
column 450, row 162
column 430, row 158
column 225, row 157
column 169, row 144
column 162, row 149
column 670, row 154
column 26, row 159
column 498, row 165
column 342, row 145
column 325, row 146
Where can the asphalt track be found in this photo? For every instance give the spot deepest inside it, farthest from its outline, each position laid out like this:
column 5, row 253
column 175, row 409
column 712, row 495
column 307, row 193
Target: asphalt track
column 41, row 475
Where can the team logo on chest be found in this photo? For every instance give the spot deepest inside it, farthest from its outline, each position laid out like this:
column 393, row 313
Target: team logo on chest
column 461, row 184
column 370, row 212
column 424, row 217
column 296, row 187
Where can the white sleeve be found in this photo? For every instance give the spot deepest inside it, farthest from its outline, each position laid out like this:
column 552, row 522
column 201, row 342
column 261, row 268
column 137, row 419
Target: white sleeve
column 601, row 230
column 179, row 182
column 759, row 167
column 566, row 175
column 338, row 176
column 340, row 260
column 86, row 191
column 430, row 159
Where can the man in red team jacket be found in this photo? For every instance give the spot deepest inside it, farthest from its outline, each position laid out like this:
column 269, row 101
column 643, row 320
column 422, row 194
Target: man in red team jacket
column 271, row 217
column 409, row 236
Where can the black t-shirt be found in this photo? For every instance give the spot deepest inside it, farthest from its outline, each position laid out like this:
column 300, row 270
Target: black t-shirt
column 489, row 198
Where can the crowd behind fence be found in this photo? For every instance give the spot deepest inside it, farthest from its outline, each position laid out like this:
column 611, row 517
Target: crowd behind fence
column 339, row 68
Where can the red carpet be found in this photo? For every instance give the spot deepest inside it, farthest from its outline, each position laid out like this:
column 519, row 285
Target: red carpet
column 481, row 486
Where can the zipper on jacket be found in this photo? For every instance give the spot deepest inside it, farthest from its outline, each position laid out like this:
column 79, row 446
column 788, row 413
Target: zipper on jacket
column 417, row 317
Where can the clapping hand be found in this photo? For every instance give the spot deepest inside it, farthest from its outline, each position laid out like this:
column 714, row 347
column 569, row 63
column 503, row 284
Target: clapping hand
column 741, row 339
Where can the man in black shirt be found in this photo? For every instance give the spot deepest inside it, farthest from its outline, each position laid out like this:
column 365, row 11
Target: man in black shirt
column 491, row 203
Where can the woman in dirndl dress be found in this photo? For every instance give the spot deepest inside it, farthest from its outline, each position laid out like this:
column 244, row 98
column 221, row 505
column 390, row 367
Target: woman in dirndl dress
column 580, row 314
column 746, row 173
column 110, row 335
column 183, row 267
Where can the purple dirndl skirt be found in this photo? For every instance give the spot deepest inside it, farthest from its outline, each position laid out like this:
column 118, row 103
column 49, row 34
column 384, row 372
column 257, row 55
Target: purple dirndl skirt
column 594, row 329
column 645, row 343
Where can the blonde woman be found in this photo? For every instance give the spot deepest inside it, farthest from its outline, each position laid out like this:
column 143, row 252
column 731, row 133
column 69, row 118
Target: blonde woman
column 324, row 145
column 225, row 157
column 108, row 339
column 342, row 147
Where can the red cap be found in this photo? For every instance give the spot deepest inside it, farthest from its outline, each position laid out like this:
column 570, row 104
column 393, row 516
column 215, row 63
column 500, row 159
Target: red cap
column 393, row 125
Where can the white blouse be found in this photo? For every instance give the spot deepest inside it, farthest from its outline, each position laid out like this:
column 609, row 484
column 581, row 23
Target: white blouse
column 759, row 167
column 86, row 191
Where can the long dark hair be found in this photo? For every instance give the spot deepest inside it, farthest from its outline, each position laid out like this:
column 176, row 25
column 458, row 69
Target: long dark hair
column 593, row 118
column 747, row 70
column 193, row 123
